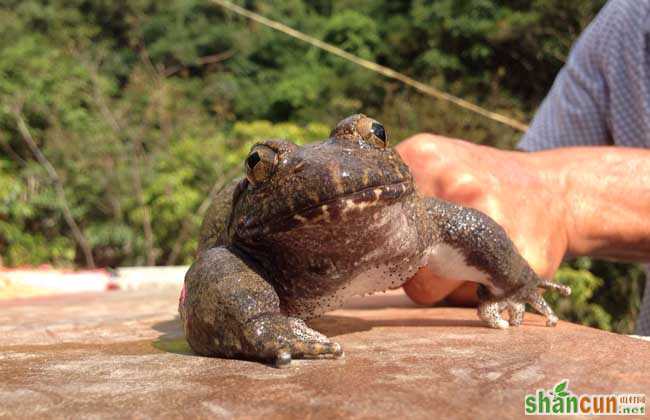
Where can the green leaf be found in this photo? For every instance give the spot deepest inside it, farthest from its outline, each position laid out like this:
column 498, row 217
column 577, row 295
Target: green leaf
column 560, row 388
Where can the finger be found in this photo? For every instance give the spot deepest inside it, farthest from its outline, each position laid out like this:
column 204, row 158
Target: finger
column 464, row 295
column 426, row 289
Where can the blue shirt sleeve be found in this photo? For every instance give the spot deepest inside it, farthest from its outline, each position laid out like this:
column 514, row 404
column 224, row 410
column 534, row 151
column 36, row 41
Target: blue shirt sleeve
column 602, row 95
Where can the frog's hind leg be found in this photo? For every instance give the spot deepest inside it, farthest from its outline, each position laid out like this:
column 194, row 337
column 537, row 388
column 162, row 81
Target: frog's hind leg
column 549, row 285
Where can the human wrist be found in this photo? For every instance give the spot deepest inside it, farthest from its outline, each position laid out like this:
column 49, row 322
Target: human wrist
column 606, row 198
column 555, row 178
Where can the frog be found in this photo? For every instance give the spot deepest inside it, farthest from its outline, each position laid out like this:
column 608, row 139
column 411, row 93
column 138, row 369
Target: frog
column 310, row 226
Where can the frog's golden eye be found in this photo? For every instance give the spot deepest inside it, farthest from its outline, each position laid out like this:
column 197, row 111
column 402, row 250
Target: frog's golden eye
column 372, row 132
column 260, row 163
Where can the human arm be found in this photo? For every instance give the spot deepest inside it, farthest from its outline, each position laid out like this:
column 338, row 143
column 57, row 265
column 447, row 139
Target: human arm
column 597, row 99
column 607, row 198
column 551, row 203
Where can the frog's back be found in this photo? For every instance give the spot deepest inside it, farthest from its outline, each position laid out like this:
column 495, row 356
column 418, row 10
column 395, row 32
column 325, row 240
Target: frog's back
column 214, row 229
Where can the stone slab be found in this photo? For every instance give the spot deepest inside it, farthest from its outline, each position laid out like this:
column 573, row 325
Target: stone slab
column 121, row 354
column 44, row 281
column 29, row 282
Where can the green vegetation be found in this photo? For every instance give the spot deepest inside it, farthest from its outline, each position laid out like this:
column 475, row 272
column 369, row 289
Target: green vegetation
column 141, row 106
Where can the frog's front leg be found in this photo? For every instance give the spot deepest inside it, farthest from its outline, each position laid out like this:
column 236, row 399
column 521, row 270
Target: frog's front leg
column 468, row 244
column 228, row 309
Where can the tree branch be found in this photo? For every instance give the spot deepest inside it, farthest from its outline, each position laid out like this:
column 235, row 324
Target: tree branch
column 58, row 184
column 136, row 144
column 208, row 59
column 184, row 233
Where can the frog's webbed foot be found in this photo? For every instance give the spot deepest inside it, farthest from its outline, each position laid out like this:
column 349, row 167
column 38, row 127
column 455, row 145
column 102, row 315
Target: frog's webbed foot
column 280, row 338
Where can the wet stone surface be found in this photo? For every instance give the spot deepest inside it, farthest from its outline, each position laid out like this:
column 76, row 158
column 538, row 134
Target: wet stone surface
column 121, row 354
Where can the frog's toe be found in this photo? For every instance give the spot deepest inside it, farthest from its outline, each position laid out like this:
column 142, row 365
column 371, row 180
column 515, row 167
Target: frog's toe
column 490, row 312
column 338, row 351
column 311, row 343
column 561, row 288
column 516, row 313
column 316, row 349
column 306, row 350
column 551, row 321
column 539, row 304
column 283, row 358
column 501, row 324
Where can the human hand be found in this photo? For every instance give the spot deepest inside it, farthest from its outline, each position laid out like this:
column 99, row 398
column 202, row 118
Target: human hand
column 508, row 186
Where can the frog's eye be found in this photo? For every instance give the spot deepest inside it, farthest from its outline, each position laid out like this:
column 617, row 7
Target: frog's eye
column 379, row 132
column 372, row 132
column 260, row 163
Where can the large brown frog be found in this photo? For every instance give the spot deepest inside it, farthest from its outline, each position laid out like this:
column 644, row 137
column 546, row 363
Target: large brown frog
column 311, row 226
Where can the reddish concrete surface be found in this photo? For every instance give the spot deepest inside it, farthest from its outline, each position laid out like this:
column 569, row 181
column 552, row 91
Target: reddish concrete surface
column 121, row 354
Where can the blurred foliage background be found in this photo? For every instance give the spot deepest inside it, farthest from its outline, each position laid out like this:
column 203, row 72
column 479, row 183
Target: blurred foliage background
column 119, row 118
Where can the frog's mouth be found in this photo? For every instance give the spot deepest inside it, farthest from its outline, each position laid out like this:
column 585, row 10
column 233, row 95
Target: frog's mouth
column 338, row 208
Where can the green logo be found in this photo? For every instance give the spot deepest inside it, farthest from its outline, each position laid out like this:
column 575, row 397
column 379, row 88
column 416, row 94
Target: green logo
column 561, row 401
